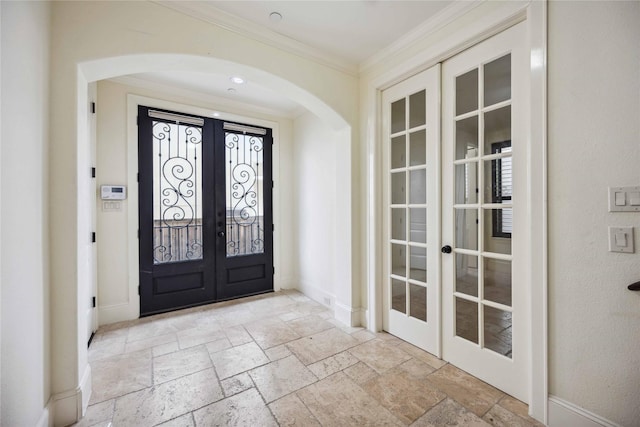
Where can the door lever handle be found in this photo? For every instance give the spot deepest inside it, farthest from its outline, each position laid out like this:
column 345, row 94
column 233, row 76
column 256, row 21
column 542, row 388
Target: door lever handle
column 220, row 233
column 634, row 286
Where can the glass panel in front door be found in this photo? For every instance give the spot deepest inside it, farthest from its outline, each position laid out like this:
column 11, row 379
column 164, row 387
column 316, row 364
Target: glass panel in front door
column 177, row 192
column 244, row 194
column 482, row 205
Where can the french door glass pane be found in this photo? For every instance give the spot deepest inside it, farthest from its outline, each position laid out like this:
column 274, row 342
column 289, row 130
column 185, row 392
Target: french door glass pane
column 398, row 196
column 398, row 152
column 467, row 320
column 418, row 302
column 497, row 130
column 398, row 224
column 497, row 80
column 497, row 330
column 398, row 295
column 418, row 263
column 497, row 230
column 467, row 92
column 466, row 229
column 418, row 225
column 418, row 183
column 466, row 182
column 418, row 151
column 398, row 116
column 467, row 138
column 177, row 192
column 244, row 194
column 417, row 109
column 497, row 281
column 467, row 274
column 399, row 260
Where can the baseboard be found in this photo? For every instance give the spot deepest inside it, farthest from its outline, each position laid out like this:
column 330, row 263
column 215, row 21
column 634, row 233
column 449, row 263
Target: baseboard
column 70, row 406
column 364, row 318
column 115, row 313
column 566, row 414
column 316, row 293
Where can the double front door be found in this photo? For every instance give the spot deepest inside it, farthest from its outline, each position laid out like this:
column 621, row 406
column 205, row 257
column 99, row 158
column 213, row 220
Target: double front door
column 205, row 210
column 456, row 209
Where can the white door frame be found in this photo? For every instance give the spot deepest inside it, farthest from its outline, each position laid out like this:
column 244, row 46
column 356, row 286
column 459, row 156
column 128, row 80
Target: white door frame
column 534, row 13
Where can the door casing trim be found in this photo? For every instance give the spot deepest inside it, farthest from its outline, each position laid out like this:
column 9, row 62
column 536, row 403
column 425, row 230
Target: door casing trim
column 534, row 13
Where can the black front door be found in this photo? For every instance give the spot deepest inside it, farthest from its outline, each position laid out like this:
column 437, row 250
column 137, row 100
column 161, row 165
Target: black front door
column 205, row 211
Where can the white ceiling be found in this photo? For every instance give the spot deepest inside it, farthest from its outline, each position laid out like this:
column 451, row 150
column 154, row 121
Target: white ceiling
column 340, row 32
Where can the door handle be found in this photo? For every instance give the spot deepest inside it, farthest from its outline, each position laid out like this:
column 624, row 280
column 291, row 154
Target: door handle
column 220, row 233
column 446, row 249
column 634, row 286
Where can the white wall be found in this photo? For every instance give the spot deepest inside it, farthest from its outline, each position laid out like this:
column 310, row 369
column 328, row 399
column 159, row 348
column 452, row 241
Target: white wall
column 114, row 285
column 24, row 222
column 315, row 207
column 594, row 142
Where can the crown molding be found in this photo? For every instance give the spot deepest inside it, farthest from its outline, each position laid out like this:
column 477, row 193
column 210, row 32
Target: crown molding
column 208, row 13
column 221, row 103
column 435, row 23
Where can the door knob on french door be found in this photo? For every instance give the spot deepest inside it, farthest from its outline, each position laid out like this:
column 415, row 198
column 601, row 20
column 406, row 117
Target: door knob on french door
column 220, row 233
column 446, row 249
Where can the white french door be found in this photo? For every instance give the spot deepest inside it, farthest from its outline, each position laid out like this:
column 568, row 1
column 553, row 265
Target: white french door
column 484, row 212
column 456, row 211
column 411, row 192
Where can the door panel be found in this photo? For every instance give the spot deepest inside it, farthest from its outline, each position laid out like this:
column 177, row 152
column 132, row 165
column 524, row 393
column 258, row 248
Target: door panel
column 205, row 193
column 244, row 219
column 484, row 206
column 411, row 308
column 177, row 244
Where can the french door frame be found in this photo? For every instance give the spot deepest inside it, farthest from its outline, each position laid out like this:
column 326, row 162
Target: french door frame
column 535, row 16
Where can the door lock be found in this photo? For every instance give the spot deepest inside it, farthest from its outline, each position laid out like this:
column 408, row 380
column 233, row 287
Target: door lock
column 220, row 233
column 446, row 249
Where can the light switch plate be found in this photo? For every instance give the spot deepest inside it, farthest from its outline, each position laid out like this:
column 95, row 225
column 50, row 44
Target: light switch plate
column 624, row 199
column 621, row 240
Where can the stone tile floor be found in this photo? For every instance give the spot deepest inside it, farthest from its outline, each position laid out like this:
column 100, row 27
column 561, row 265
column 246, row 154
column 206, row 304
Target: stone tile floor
column 278, row 360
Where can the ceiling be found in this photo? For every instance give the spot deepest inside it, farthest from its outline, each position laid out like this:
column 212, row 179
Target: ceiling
column 339, row 32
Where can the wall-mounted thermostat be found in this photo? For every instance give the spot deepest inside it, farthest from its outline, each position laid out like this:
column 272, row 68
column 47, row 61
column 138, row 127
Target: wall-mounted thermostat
column 113, row 192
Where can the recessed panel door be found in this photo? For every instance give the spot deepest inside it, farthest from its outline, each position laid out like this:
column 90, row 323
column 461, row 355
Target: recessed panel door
column 484, row 208
column 411, row 212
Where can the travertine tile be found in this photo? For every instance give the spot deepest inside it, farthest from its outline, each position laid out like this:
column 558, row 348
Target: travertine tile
column 467, row 390
column 149, row 329
column 237, row 335
column 449, row 413
column 118, row 375
column 291, row 412
column 360, row 373
column 199, row 335
column 146, row 343
column 404, row 394
column 272, row 332
column 236, row 384
column 333, row 364
column 363, row 335
column 309, row 325
column 379, row 355
column 338, row 401
column 500, row 417
column 281, row 377
column 238, row 359
column 169, row 400
column 106, row 333
column 241, row 410
column 185, row 420
column 98, row 414
column 167, row 348
column 316, row 347
column 180, row 363
column 219, row 345
column 291, row 315
column 519, row 408
column 420, row 354
column 278, row 352
column 106, row 348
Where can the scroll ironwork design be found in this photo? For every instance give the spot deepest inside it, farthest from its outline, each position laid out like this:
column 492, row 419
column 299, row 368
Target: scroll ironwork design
column 244, row 197
column 177, row 181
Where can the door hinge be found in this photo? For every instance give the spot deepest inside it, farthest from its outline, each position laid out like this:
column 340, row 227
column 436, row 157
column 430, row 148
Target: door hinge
column 93, row 172
column 93, row 302
column 93, row 237
column 138, row 177
column 93, row 108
